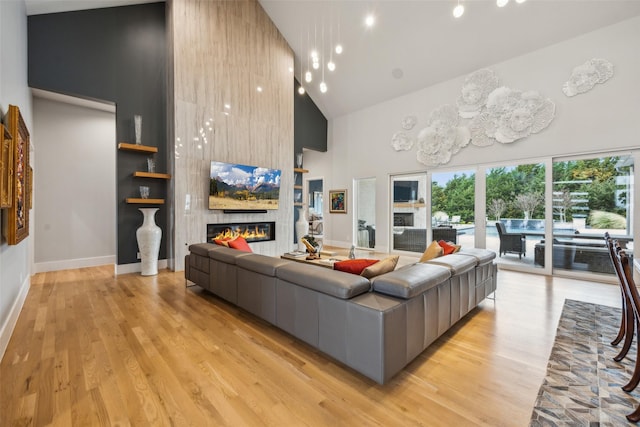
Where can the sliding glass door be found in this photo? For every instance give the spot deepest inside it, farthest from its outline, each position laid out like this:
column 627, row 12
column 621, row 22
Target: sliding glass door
column 453, row 207
column 515, row 208
column 591, row 196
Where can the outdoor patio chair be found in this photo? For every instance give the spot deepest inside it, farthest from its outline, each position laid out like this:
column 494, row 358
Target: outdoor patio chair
column 511, row 242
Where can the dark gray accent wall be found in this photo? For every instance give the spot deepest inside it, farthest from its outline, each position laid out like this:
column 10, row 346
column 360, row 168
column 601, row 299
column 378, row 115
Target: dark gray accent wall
column 309, row 124
column 116, row 54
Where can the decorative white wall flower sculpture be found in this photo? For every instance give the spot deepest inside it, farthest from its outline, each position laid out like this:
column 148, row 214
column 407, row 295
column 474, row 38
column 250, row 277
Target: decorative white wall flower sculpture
column 511, row 115
column 475, row 91
column 584, row 77
column 442, row 137
column 409, row 122
column 400, row 141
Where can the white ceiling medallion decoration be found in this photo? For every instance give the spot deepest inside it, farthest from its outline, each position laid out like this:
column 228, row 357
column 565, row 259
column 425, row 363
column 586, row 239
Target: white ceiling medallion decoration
column 584, row 77
column 511, row 115
column 409, row 122
column 442, row 137
column 475, row 91
column 401, row 141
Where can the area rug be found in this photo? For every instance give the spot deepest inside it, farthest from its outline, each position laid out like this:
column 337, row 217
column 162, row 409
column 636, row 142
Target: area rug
column 583, row 382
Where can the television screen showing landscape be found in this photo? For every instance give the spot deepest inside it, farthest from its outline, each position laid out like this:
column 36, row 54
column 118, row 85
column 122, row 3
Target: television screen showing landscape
column 243, row 187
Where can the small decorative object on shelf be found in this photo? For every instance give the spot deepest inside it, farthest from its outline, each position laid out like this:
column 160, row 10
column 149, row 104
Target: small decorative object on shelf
column 151, row 164
column 144, row 191
column 137, row 120
column 299, row 160
column 352, row 252
column 148, row 237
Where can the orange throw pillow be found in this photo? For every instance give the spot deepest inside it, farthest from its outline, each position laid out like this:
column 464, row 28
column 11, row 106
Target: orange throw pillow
column 240, row 244
column 222, row 241
column 353, row 266
column 447, row 247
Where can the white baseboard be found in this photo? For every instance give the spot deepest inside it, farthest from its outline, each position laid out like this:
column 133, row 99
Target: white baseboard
column 6, row 330
column 68, row 264
column 136, row 267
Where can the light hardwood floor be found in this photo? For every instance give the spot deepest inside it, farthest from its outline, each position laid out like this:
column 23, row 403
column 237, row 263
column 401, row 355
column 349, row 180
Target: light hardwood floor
column 91, row 349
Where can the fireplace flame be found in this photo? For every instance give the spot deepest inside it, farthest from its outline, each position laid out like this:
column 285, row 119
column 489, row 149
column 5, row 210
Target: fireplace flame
column 248, row 234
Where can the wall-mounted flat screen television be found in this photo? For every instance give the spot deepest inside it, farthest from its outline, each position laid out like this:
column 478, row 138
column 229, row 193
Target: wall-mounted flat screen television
column 243, row 187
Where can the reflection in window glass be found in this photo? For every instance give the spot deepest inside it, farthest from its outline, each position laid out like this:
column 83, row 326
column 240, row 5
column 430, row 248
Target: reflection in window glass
column 409, row 227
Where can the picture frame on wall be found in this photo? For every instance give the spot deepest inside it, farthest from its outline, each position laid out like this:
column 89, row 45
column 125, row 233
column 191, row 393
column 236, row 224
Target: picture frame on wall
column 16, row 226
column 6, row 167
column 337, row 201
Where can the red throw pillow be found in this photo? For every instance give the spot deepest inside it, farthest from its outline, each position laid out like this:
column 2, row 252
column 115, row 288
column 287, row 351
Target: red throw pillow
column 448, row 249
column 240, row 244
column 354, row 266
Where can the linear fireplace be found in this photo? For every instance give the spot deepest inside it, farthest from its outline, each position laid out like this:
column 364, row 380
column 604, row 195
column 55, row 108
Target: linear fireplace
column 251, row 231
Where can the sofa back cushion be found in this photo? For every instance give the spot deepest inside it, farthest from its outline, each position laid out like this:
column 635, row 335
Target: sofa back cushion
column 410, row 280
column 331, row 282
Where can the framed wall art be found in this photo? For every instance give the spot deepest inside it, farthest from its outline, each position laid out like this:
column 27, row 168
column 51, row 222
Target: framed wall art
column 16, row 225
column 6, row 167
column 338, row 201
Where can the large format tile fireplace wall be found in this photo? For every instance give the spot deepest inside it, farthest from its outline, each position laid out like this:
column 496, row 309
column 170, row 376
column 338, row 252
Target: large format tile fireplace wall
column 222, row 52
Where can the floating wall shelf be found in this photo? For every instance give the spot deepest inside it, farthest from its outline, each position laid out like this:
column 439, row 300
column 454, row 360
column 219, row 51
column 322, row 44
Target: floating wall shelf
column 136, row 147
column 145, row 201
column 152, row 175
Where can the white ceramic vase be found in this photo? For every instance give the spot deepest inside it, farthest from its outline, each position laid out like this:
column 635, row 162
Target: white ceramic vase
column 149, row 236
column 302, row 228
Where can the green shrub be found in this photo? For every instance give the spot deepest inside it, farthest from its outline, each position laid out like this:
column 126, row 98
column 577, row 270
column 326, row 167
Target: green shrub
column 601, row 219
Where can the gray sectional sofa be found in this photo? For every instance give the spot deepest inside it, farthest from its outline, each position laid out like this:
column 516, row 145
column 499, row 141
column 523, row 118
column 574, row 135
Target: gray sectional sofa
column 375, row 326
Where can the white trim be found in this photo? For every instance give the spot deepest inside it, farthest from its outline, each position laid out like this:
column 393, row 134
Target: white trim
column 68, row 264
column 7, row 328
column 136, row 267
column 95, row 104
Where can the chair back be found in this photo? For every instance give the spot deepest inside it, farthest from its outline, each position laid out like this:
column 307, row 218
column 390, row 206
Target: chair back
column 501, row 229
column 629, row 285
column 611, row 246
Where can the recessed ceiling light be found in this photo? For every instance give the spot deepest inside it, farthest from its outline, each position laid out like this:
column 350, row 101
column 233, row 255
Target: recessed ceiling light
column 301, row 90
column 291, row 69
column 331, row 65
column 338, row 49
column 369, row 20
column 502, row 3
column 520, row 1
column 458, row 11
column 397, row 73
column 259, row 89
column 308, row 77
column 323, row 87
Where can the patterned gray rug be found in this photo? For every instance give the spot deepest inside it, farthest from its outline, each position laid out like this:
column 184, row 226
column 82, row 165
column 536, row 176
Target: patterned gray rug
column 583, row 382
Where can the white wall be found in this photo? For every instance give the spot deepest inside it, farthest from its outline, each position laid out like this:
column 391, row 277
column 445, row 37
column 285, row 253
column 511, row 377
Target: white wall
column 15, row 267
column 75, row 219
column 604, row 118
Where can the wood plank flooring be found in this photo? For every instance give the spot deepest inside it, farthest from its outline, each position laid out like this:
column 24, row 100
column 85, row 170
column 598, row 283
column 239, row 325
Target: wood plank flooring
column 90, row 349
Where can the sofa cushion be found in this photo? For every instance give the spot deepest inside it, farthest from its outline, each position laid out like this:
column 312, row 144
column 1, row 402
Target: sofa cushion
column 202, row 248
column 262, row 264
column 321, row 279
column 455, row 262
column 385, row 266
column 483, row 256
column 240, row 244
column 411, row 280
column 353, row 266
column 434, row 250
column 226, row 255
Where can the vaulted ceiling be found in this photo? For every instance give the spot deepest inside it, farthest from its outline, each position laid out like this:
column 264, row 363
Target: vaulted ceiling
column 413, row 43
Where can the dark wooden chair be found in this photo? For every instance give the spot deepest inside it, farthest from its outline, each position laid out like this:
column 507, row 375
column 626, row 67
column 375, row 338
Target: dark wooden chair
column 626, row 319
column 632, row 293
column 511, row 242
